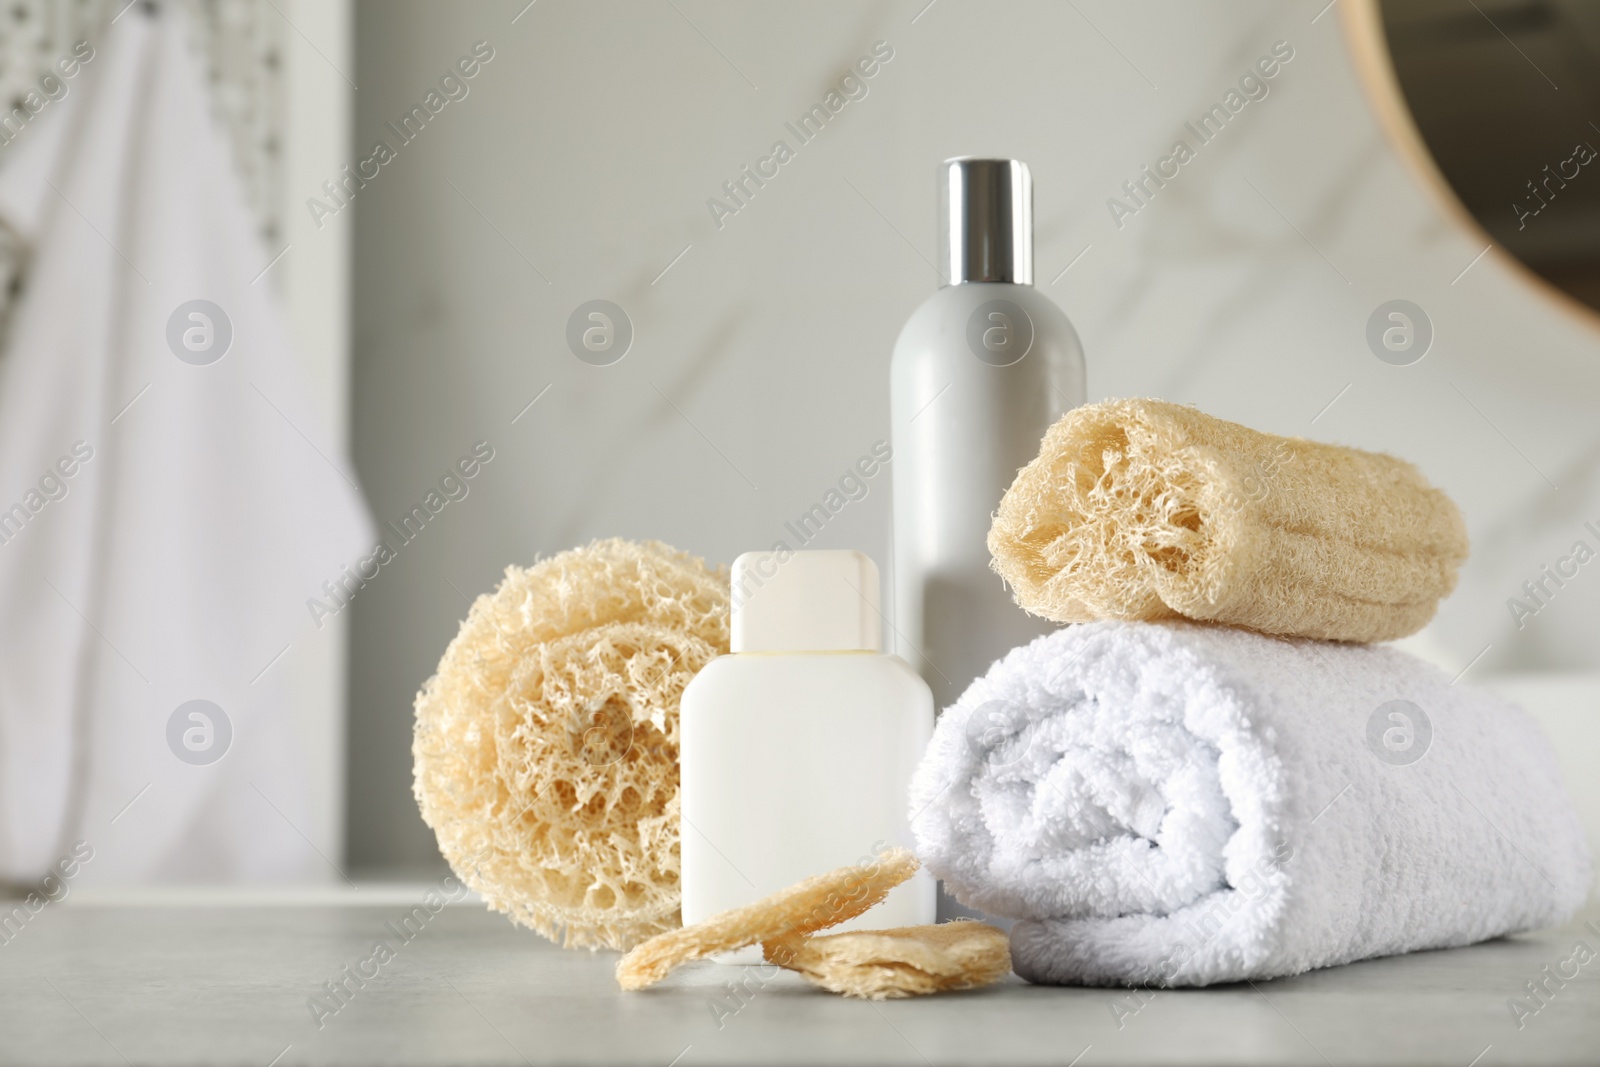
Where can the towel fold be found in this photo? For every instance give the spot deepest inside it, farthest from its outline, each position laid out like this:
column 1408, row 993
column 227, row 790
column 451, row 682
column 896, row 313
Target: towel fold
column 1141, row 509
column 1173, row 804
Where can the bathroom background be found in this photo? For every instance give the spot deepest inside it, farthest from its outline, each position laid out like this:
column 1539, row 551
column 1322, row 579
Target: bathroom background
column 581, row 166
column 431, row 306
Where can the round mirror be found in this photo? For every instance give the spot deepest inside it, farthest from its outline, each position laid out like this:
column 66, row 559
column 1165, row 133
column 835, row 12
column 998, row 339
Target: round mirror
column 1501, row 99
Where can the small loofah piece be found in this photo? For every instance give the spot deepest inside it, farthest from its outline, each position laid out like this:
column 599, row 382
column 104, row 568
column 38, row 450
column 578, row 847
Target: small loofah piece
column 546, row 747
column 907, row 961
column 1145, row 510
column 817, row 903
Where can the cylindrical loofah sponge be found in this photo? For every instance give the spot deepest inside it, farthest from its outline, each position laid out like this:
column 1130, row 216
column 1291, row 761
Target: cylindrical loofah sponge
column 546, row 746
column 1141, row 509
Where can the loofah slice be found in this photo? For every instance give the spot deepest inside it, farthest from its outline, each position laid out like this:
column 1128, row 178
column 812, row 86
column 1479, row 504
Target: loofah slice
column 546, row 747
column 907, row 961
column 817, row 903
column 1145, row 510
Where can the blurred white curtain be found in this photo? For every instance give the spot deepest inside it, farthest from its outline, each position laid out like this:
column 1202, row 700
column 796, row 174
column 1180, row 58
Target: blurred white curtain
column 179, row 501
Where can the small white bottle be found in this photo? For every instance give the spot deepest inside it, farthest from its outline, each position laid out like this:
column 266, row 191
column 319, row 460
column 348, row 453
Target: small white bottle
column 797, row 749
column 980, row 371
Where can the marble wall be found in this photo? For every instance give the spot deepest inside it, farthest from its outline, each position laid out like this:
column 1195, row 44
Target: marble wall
column 579, row 164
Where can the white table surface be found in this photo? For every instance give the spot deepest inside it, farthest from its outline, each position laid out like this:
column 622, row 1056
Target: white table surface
column 202, row 984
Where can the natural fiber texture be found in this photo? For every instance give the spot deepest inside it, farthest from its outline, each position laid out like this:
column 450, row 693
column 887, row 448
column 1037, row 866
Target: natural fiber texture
column 817, row 903
column 908, row 961
column 546, row 747
column 1141, row 509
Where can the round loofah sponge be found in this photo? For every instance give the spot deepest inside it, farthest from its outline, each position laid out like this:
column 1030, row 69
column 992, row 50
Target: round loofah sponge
column 546, row 746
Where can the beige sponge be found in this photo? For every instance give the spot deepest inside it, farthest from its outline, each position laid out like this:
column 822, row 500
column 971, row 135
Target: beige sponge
column 1141, row 509
column 817, row 903
column 907, row 961
column 546, row 747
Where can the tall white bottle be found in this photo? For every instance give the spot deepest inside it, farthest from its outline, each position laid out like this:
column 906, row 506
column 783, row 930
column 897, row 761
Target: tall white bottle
column 979, row 372
column 796, row 750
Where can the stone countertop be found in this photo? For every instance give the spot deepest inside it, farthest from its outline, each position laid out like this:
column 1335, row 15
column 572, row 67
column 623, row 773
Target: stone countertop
column 204, row 984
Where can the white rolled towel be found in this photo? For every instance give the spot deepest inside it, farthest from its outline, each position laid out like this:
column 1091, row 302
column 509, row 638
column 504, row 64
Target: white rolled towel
column 1178, row 804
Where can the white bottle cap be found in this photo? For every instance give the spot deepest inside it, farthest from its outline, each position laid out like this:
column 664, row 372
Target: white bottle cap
column 818, row 601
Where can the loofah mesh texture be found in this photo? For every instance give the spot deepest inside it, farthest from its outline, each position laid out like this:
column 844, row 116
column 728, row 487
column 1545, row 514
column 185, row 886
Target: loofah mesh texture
column 546, row 747
column 908, row 961
column 821, row 901
column 1144, row 510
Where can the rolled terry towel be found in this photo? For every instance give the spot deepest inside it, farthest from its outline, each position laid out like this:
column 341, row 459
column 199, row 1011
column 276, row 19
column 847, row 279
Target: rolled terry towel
column 1173, row 804
column 1140, row 509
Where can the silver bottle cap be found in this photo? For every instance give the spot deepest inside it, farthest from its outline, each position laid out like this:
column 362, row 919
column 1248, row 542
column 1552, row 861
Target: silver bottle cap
column 986, row 221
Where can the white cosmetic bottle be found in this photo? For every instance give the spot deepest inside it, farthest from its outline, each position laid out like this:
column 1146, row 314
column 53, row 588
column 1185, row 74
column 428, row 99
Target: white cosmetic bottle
column 979, row 372
column 797, row 749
